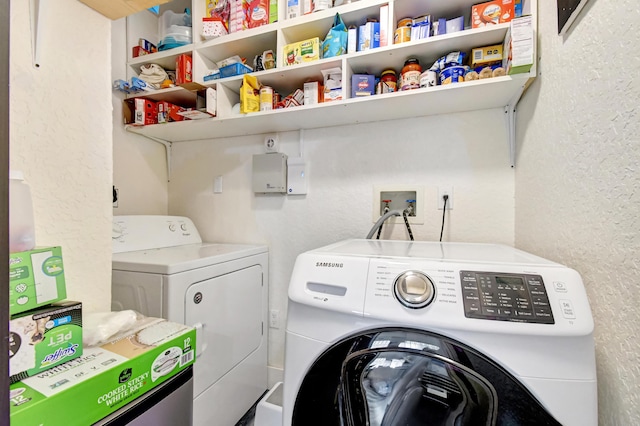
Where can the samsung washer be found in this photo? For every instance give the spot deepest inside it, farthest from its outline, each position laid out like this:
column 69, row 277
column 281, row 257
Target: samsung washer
column 419, row 333
column 161, row 268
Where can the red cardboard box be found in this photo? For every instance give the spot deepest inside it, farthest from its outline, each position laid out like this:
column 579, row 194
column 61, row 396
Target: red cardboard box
column 492, row 13
column 139, row 51
column 168, row 112
column 183, row 69
column 145, row 111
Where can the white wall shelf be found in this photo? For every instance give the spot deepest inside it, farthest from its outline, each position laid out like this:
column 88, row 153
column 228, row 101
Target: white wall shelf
column 499, row 92
column 469, row 96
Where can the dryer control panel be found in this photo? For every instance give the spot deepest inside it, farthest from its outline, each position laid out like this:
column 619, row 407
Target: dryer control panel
column 505, row 297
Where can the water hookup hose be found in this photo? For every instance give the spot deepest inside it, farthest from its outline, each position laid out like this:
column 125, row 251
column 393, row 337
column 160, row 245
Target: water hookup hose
column 387, row 215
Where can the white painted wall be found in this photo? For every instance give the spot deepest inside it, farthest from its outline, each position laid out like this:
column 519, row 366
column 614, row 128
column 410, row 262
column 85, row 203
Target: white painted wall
column 344, row 164
column 60, row 137
column 139, row 164
column 578, row 180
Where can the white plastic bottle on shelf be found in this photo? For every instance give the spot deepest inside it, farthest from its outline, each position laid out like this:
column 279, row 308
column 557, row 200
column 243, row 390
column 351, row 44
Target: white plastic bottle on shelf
column 21, row 226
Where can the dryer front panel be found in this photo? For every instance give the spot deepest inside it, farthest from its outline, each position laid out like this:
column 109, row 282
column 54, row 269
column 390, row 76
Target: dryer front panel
column 228, row 309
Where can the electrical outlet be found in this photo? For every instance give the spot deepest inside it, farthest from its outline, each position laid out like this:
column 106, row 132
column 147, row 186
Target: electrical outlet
column 274, row 318
column 442, row 191
column 398, row 196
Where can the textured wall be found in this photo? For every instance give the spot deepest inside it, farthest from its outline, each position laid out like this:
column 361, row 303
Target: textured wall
column 60, row 137
column 344, row 163
column 139, row 164
column 578, row 180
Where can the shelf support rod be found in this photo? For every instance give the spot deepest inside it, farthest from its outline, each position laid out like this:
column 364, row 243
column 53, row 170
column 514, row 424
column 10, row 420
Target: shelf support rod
column 510, row 114
column 35, row 12
column 167, row 149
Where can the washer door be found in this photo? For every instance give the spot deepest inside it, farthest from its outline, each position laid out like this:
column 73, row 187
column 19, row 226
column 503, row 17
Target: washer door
column 405, row 377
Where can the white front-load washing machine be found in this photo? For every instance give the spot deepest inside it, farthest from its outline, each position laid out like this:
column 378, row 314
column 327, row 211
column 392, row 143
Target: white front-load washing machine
column 419, row 333
column 161, row 268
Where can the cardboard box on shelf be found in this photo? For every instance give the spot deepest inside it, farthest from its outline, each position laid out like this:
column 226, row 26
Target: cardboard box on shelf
column 36, row 278
column 139, row 51
column 43, row 338
column 519, row 46
column 492, row 13
column 184, row 69
column 206, row 104
column 168, row 112
column 106, row 377
column 362, row 85
column 369, row 36
column 147, row 45
column 486, row 55
column 332, row 84
column 300, row 52
column 257, row 13
column 294, row 8
column 312, row 92
column 140, row 111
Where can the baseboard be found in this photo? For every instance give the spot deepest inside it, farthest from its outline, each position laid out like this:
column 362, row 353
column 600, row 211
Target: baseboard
column 274, row 375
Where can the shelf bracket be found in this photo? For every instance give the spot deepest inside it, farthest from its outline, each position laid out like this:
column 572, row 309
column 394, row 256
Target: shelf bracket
column 35, row 12
column 167, row 149
column 510, row 115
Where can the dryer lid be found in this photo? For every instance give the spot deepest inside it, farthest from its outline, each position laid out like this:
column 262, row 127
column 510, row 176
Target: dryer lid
column 173, row 260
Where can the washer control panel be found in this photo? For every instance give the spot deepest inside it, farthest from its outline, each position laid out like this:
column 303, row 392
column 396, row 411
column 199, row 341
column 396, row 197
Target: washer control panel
column 505, row 297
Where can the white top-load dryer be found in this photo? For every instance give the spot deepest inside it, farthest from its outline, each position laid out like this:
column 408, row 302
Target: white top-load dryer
column 161, row 268
column 388, row 333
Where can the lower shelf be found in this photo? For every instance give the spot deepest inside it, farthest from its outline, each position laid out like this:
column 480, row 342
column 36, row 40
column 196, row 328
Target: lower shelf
column 468, row 96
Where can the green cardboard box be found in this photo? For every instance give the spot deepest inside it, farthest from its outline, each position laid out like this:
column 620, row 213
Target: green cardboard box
column 36, row 278
column 43, row 338
column 106, row 377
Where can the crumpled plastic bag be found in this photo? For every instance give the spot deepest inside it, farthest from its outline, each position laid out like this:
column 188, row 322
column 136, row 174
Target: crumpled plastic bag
column 153, row 74
column 335, row 43
column 98, row 327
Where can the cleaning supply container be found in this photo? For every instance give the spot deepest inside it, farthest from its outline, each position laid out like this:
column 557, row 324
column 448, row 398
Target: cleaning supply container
column 174, row 29
column 21, row 224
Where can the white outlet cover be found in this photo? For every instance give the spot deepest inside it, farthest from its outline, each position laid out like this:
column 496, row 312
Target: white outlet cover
column 442, row 190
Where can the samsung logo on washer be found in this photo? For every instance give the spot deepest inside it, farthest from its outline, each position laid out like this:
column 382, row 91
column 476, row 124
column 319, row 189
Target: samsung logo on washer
column 329, row 265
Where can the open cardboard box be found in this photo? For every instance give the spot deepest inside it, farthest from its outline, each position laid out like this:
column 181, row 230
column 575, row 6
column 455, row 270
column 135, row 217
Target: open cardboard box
column 106, row 377
column 197, row 101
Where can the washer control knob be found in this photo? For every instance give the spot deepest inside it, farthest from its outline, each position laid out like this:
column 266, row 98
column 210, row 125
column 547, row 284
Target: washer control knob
column 414, row 289
column 172, row 227
column 183, row 226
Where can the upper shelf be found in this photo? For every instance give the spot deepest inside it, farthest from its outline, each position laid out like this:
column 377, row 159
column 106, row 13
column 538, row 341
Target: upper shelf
column 496, row 92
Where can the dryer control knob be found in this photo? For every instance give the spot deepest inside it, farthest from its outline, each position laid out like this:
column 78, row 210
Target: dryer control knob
column 414, row 289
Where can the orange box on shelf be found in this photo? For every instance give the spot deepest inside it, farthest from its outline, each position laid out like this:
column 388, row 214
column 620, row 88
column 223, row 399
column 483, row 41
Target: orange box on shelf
column 492, row 13
column 183, row 69
column 139, row 51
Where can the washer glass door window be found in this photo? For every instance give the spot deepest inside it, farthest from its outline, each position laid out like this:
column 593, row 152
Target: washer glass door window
column 405, row 377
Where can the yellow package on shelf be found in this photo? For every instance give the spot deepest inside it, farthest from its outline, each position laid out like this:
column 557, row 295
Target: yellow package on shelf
column 300, row 52
column 249, row 96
